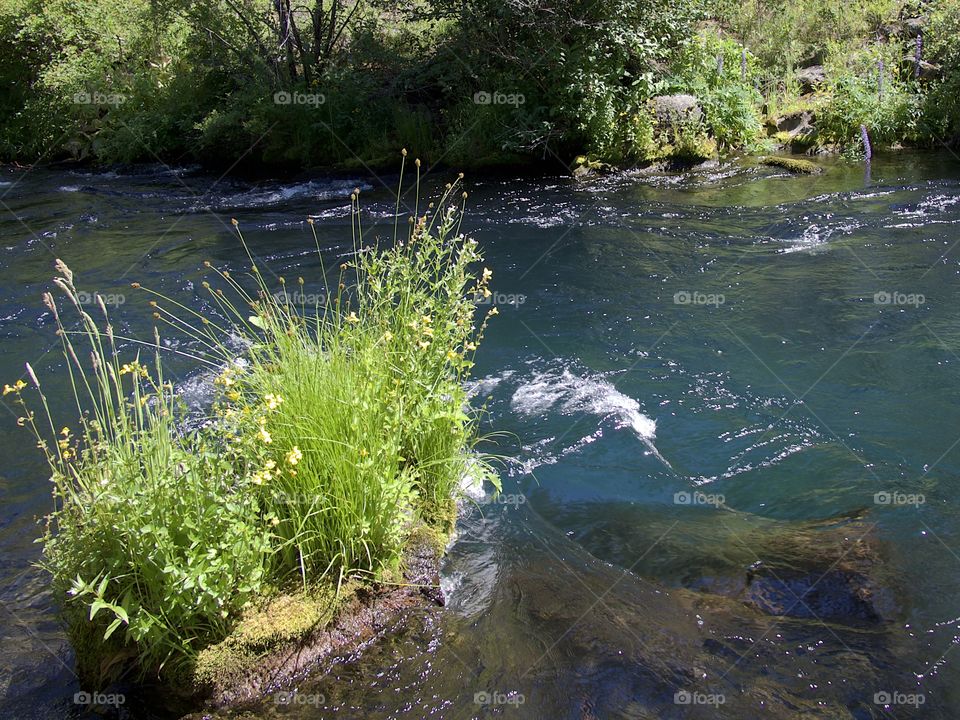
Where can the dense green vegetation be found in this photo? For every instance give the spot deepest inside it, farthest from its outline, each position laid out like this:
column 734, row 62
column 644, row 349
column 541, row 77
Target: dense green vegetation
column 464, row 82
column 339, row 429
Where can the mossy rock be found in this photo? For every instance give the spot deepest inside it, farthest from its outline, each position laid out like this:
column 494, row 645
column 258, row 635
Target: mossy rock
column 283, row 620
column 584, row 166
column 794, row 165
column 290, row 633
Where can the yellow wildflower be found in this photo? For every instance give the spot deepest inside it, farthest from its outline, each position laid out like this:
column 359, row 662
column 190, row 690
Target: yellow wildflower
column 294, row 456
column 423, row 344
column 487, row 274
column 352, row 317
column 273, row 401
column 265, row 436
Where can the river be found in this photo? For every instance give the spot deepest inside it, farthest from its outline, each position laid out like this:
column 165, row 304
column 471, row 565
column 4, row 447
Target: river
column 727, row 403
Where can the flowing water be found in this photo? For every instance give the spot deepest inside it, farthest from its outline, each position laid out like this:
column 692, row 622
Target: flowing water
column 727, row 403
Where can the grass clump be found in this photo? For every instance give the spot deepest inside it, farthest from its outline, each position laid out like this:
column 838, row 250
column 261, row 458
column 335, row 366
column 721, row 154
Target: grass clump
column 343, row 429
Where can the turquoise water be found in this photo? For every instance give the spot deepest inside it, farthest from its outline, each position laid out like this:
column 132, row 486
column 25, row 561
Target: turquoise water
column 689, row 376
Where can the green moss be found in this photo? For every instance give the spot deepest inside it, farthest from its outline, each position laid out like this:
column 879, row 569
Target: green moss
column 282, row 620
column 434, row 538
column 794, row 165
column 439, row 515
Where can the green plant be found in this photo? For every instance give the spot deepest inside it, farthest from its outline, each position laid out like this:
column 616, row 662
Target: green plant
column 154, row 530
column 864, row 88
column 940, row 121
column 721, row 74
column 343, row 429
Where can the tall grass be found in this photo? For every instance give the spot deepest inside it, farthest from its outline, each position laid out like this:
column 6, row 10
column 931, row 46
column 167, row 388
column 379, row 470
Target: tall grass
column 342, row 429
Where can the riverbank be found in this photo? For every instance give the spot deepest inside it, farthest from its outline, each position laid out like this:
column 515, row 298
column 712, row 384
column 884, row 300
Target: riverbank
column 477, row 85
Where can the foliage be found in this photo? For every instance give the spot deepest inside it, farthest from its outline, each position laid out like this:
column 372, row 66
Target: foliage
column 941, row 116
column 788, row 35
column 341, row 429
column 722, row 75
column 865, row 88
column 178, row 80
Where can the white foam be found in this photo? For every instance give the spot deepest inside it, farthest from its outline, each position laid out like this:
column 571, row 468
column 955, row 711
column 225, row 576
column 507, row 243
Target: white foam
column 311, row 190
column 573, row 394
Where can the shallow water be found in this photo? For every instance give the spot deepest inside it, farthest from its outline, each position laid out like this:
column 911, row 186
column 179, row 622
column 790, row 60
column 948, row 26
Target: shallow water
column 733, row 332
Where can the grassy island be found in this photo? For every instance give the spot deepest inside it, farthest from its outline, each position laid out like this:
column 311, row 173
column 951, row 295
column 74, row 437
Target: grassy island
column 337, row 442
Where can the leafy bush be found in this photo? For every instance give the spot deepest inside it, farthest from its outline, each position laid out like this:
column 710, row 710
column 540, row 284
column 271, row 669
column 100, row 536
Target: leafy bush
column 722, row 74
column 941, row 116
column 865, row 88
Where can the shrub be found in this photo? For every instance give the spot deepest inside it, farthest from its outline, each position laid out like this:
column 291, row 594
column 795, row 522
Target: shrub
column 941, row 116
column 721, row 74
column 865, row 88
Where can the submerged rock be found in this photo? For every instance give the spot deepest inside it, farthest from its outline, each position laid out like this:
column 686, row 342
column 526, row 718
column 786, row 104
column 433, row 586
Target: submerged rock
column 824, row 571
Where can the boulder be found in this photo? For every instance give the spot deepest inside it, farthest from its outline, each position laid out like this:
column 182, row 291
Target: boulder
column 913, row 26
column 795, row 122
column 673, row 109
column 795, row 129
column 811, row 78
column 927, row 69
